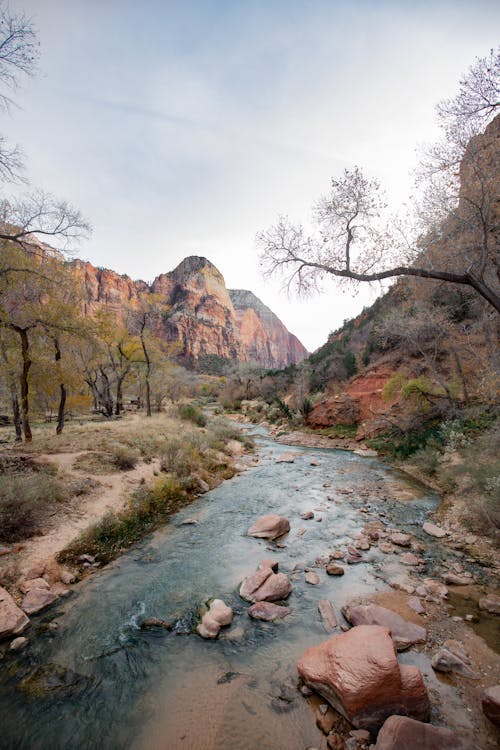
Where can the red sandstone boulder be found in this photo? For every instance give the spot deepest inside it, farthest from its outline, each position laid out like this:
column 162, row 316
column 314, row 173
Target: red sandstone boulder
column 359, row 675
column 269, row 527
column 491, row 703
column 402, row 733
column 12, row 619
column 218, row 615
column 37, row 599
column 267, row 611
column 264, row 585
column 404, row 633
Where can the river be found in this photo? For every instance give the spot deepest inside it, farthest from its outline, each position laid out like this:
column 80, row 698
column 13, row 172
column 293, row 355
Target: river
column 98, row 681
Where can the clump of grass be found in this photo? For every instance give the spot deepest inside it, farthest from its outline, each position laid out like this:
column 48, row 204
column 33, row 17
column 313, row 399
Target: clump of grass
column 181, row 457
column 192, row 413
column 123, row 456
column 339, row 431
column 25, row 501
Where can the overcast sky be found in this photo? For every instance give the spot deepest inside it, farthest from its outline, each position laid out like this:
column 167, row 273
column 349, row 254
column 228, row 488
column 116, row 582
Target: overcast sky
column 184, row 128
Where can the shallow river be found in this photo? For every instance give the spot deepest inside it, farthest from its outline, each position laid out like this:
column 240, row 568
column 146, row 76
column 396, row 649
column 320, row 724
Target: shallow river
column 98, row 681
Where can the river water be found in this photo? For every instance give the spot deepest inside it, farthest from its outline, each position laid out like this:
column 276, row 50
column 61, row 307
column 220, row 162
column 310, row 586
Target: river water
column 98, row 681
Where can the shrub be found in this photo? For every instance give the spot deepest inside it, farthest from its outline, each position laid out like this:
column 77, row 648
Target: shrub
column 24, row 502
column 123, row 457
column 192, row 413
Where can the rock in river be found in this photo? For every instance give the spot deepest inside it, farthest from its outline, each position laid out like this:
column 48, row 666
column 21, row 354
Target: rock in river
column 264, row 585
column 432, row 530
column 327, row 613
column 404, row 633
column 359, row 675
column 37, row 599
column 402, row 733
column 218, row 615
column 269, row 527
column 267, row 611
column 12, row 619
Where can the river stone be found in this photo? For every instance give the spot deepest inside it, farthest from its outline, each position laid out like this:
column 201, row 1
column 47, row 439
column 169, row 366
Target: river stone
column 386, row 547
column 34, row 583
column 265, row 585
column 269, row 562
column 12, row 619
column 36, row 600
column 327, row 613
column 252, row 583
column 490, row 701
column 410, row 559
column 432, row 530
column 286, row 458
column 416, row 605
column 312, row 577
column 404, row 633
column 362, row 543
column 335, row 570
column 403, row 733
column 359, row 675
column 326, row 721
column 156, row 622
column 307, row 515
column 337, row 554
column 36, row 571
column 452, row 658
column 66, row 577
column 402, row 540
column 490, row 603
column 432, row 590
column 267, row 611
column 269, row 527
column 218, row 615
column 452, row 579
column 18, row 643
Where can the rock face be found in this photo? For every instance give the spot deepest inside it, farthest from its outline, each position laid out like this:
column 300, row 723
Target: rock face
column 269, row 527
column 404, row 634
column 204, row 317
column 12, row 619
column 402, row 733
column 359, row 675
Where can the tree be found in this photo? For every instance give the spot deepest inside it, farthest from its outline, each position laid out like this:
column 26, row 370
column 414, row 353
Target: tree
column 453, row 237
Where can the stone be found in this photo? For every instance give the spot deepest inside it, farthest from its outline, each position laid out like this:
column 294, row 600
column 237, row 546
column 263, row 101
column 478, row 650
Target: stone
column 360, row 734
column 18, row 643
column 37, row 599
column 404, row 633
column 218, row 615
column 335, row 570
column 386, row 547
column 416, row 605
column 267, row 611
column 67, row 577
column 36, row 571
column 307, row 515
column 432, row 590
column 87, row 559
column 490, row 603
column 354, row 559
column 265, row 585
column 452, row 658
column 490, row 701
column 269, row 527
column 268, row 562
column 359, row 675
column 452, row 579
column 402, row 540
column 362, row 544
column 432, row 530
column 189, row 522
column 410, row 559
column 286, row 458
column 33, row 583
column 402, row 584
column 403, row 733
column 300, row 532
column 337, row 554
column 312, row 577
column 156, row 622
column 314, row 462
column 326, row 721
column 327, row 613
column 12, row 619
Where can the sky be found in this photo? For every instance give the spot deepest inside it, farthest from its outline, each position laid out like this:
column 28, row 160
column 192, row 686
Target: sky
column 184, row 128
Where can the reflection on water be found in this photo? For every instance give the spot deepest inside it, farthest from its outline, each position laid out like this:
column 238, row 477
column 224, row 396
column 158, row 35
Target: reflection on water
column 154, row 689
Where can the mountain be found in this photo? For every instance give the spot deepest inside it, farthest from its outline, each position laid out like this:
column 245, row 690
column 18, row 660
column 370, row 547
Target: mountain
column 204, row 318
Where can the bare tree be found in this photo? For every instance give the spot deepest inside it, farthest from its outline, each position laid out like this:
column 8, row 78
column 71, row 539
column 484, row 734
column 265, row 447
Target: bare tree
column 453, row 237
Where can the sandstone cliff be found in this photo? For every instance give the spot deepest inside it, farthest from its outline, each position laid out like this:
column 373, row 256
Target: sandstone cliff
column 203, row 317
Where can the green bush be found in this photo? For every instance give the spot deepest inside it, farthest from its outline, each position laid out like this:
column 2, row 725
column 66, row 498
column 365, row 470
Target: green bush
column 25, row 499
column 192, row 413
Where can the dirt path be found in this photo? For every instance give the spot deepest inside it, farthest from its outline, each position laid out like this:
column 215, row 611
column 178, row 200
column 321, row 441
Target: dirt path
column 109, row 494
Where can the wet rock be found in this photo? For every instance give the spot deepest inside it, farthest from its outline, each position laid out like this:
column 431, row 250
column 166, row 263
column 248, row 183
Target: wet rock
column 306, row 691
column 319, row 519
column 269, row 527
column 354, row 559
column 490, row 701
column 362, row 543
column 307, row 515
column 314, row 462
column 36, row 571
column 402, row 584
column 18, row 644
column 386, row 547
column 335, row 570
column 410, row 559
column 432, row 590
column 189, row 522
column 359, row 675
column 53, row 679
column 403, row 733
column 300, row 532
column 327, row 613
column 452, row 658
column 432, row 530
column 268, row 562
column 312, row 578
column 66, row 577
column 267, row 611
column 33, row 583
column 404, row 633
column 218, row 615
column 265, row 585
column 416, row 605
column 286, row 458
column 326, row 721
column 337, row 554
column 360, row 734
column 156, row 622
column 490, row 603
column 36, row 600
column 401, row 540
column 87, row 559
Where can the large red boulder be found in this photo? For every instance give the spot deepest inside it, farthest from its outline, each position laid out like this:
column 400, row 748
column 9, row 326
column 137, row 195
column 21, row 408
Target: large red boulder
column 264, row 585
column 12, row 619
column 359, row 675
column 269, row 527
column 404, row 633
column 402, row 733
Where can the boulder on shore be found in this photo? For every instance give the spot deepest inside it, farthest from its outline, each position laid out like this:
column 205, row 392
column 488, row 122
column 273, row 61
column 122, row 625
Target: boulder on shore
column 402, row 733
column 404, row 633
column 432, row 530
column 37, row 599
column 359, row 675
column 269, row 527
column 490, row 700
column 12, row 619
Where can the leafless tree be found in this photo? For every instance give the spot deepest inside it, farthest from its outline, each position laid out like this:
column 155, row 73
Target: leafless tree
column 453, row 237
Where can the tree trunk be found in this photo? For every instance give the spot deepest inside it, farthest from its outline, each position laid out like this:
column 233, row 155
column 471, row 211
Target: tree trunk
column 148, row 370
column 16, row 413
column 25, row 351
column 460, row 374
column 62, row 391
